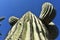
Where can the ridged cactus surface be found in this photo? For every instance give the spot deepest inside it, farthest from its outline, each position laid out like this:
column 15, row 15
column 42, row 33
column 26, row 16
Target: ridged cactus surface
column 30, row 27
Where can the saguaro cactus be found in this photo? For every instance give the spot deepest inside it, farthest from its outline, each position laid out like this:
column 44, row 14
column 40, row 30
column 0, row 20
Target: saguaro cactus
column 30, row 27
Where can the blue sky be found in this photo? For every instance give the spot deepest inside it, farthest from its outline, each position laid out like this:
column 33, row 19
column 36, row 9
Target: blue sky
column 19, row 7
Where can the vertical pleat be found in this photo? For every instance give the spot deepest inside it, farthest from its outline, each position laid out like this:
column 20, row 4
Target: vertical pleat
column 28, row 31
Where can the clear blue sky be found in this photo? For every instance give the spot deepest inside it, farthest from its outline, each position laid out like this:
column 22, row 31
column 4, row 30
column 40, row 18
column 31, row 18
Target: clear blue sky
column 19, row 7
